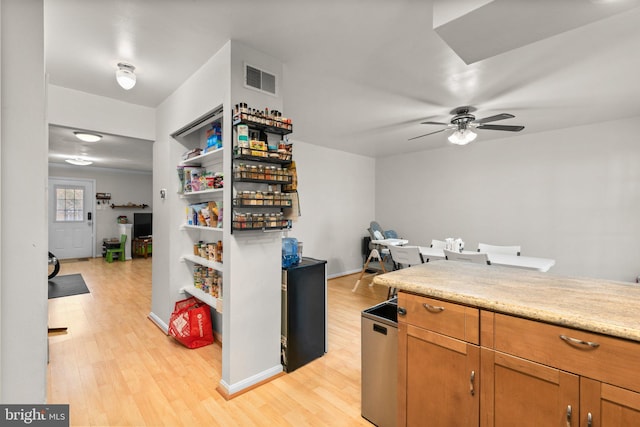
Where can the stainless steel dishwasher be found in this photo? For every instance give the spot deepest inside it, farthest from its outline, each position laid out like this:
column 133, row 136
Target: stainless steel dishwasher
column 379, row 337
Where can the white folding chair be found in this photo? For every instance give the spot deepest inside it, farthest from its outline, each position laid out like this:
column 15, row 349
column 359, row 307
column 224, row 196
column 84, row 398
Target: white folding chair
column 478, row 258
column 493, row 249
column 438, row 244
column 404, row 256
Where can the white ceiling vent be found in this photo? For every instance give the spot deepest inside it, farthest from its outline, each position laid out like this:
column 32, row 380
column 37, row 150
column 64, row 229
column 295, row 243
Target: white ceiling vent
column 259, row 79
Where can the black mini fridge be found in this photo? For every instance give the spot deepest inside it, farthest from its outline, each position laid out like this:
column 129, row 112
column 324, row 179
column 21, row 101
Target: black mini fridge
column 304, row 313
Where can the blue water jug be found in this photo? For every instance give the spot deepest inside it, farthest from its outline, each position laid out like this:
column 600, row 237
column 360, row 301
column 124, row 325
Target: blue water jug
column 289, row 252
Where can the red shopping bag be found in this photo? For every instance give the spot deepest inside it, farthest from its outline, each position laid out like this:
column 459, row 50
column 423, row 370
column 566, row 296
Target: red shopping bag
column 190, row 323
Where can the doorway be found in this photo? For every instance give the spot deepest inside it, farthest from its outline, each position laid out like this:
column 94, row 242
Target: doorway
column 71, row 217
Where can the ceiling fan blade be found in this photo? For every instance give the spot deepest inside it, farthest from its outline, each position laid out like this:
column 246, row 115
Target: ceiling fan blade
column 435, row 123
column 495, row 118
column 501, row 127
column 426, row 134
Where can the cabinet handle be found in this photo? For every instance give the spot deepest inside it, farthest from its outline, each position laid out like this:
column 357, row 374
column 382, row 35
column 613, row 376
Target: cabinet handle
column 433, row 308
column 402, row 311
column 472, row 379
column 569, row 411
column 589, row 419
column 577, row 341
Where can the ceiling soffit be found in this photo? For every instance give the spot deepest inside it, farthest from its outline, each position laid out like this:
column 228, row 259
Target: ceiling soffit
column 480, row 29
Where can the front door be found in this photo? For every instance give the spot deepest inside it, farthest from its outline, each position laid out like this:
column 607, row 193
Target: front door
column 71, row 225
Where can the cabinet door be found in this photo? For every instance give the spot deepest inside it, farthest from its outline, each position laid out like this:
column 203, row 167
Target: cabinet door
column 604, row 405
column 438, row 380
column 517, row 392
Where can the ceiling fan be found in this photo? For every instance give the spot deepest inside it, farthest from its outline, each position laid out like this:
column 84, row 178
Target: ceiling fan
column 463, row 123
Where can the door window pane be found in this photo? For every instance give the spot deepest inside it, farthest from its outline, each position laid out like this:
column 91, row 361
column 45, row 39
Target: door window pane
column 69, row 204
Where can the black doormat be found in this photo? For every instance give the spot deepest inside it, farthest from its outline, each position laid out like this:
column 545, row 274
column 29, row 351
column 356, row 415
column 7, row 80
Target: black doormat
column 64, row 286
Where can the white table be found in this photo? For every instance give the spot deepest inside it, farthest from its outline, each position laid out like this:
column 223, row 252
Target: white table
column 390, row 242
column 528, row 262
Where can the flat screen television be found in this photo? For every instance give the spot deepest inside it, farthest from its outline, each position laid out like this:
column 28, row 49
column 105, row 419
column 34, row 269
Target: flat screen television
column 142, row 224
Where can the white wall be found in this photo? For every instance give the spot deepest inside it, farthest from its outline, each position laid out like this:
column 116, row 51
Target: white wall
column 124, row 186
column 337, row 200
column 23, row 286
column 205, row 90
column 253, row 295
column 80, row 110
column 571, row 194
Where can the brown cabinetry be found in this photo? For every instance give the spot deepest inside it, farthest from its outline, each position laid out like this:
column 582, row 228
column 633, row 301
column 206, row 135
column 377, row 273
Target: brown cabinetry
column 608, row 405
column 518, row 392
column 438, row 369
column 591, row 379
column 459, row 366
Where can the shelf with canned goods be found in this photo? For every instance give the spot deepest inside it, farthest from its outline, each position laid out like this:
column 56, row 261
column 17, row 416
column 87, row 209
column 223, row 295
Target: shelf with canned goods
column 269, row 199
column 271, row 125
column 196, row 179
column 260, row 221
column 260, row 146
column 261, row 174
column 205, row 262
column 206, row 280
column 257, row 155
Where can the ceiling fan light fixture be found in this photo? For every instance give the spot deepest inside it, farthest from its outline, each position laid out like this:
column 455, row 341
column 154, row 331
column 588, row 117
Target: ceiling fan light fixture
column 79, row 161
column 88, row 136
column 125, row 75
column 462, row 136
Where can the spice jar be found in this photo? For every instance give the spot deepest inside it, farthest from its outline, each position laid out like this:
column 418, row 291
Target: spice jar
column 269, row 171
column 273, row 220
column 257, row 220
column 254, row 172
column 243, row 197
column 240, row 220
column 259, row 198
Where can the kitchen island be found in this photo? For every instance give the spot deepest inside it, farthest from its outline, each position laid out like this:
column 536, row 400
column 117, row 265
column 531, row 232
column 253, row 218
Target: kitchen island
column 496, row 346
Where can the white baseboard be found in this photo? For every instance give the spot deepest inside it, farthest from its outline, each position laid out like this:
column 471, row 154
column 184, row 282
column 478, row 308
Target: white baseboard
column 232, row 389
column 155, row 319
column 343, row 273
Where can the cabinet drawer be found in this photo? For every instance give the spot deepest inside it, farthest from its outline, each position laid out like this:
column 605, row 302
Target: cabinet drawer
column 607, row 359
column 445, row 318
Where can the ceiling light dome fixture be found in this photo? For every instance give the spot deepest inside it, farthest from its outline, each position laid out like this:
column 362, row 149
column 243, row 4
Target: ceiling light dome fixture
column 88, row 136
column 462, row 136
column 125, row 75
column 79, row 161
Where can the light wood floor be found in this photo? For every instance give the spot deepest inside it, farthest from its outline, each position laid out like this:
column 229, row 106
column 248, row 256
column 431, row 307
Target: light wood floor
column 114, row 367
